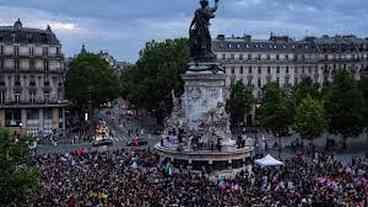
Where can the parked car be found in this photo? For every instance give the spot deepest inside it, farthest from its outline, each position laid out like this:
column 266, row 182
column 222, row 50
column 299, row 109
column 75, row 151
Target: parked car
column 103, row 142
column 136, row 143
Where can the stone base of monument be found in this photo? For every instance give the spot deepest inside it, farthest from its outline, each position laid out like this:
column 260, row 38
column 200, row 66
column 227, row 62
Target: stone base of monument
column 228, row 158
column 202, row 120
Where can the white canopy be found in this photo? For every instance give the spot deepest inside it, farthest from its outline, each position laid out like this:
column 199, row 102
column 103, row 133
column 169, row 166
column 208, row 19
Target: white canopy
column 268, row 161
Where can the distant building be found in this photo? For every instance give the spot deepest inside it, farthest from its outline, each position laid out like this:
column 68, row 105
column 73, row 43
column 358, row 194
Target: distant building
column 286, row 61
column 31, row 79
column 117, row 66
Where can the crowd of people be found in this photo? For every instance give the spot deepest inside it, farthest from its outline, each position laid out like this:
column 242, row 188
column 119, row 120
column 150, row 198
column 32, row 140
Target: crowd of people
column 139, row 179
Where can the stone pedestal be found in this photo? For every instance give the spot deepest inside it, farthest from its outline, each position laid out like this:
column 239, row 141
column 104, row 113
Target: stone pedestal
column 204, row 90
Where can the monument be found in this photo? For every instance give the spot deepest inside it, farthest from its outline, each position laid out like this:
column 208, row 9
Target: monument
column 200, row 116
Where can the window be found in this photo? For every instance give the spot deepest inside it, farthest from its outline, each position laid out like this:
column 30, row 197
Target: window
column 287, row 69
column 259, row 83
column 12, row 118
column 17, row 98
column 17, row 80
column 16, row 50
column 232, row 56
column 259, row 70
column 2, row 81
column 268, row 57
column 277, row 57
column 241, row 70
column 45, row 51
column 223, row 56
column 241, row 57
column 259, row 57
column 2, row 97
column 47, row 114
column 232, row 70
column 278, row 69
column 32, row 97
column 269, row 70
column 33, row 114
column 278, row 81
column 286, row 57
column 250, row 70
column 32, row 82
column 249, row 56
column 46, row 96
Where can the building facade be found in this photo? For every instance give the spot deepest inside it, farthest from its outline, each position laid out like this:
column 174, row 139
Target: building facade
column 31, row 79
column 286, row 61
column 283, row 60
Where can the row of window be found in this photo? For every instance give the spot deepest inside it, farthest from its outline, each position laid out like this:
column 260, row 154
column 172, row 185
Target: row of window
column 285, row 81
column 32, row 81
column 26, row 64
column 303, row 69
column 238, row 45
column 287, row 57
column 13, row 118
column 32, row 97
column 30, row 51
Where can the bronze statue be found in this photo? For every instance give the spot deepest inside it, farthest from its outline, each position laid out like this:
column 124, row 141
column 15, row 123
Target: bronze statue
column 199, row 34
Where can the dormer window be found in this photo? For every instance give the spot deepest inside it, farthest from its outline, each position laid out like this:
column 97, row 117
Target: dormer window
column 18, row 25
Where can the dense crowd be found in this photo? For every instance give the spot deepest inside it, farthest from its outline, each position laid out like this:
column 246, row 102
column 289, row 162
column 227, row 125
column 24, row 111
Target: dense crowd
column 139, row 179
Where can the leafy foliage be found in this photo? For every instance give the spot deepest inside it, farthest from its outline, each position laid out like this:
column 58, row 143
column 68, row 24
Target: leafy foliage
column 18, row 179
column 240, row 103
column 91, row 78
column 310, row 118
column 306, row 87
column 276, row 114
column 158, row 71
column 344, row 106
column 363, row 86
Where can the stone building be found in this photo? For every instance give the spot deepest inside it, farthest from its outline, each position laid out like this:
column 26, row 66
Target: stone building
column 286, row 61
column 31, row 79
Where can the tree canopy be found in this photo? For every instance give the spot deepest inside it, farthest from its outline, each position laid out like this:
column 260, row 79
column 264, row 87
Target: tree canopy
column 18, row 179
column 276, row 113
column 310, row 118
column 240, row 103
column 91, row 78
column 344, row 106
column 158, row 71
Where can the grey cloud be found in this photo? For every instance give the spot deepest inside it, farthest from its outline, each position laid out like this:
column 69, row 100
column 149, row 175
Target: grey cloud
column 123, row 26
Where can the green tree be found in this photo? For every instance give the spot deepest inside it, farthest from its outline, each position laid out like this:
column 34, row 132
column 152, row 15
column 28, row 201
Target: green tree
column 304, row 88
column 310, row 118
column 363, row 87
column 344, row 106
column 158, row 71
column 90, row 82
column 239, row 104
column 18, row 179
column 276, row 114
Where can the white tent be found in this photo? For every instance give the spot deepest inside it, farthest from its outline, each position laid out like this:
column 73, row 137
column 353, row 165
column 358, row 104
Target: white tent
column 268, row 161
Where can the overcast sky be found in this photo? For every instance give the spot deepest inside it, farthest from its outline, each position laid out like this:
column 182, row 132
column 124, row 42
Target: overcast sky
column 121, row 27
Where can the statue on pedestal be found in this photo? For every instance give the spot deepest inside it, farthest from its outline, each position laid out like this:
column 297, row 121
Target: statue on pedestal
column 199, row 34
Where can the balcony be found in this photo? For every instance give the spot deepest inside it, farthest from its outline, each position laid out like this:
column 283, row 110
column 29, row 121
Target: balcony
column 37, row 104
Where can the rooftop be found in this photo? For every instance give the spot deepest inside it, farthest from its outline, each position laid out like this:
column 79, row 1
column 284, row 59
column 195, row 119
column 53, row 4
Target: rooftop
column 23, row 35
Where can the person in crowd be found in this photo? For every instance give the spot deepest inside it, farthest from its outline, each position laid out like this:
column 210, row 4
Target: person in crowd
column 137, row 179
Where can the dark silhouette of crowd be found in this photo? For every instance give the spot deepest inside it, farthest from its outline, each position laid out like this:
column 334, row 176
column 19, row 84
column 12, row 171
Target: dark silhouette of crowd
column 139, row 179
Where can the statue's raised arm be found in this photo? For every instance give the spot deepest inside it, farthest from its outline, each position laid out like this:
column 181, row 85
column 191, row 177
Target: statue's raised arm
column 214, row 9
